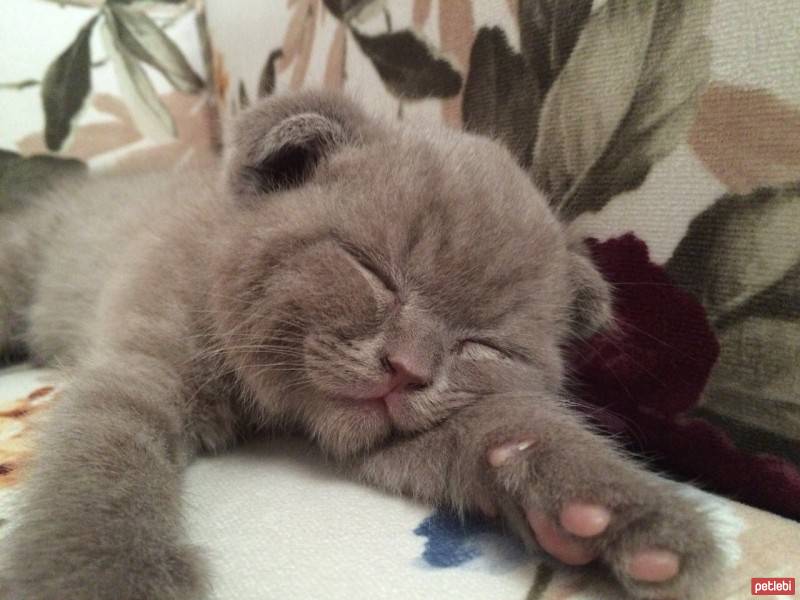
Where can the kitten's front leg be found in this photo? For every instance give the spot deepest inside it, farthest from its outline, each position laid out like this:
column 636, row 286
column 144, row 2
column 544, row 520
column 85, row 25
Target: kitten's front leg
column 100, row 517
column 535, row 462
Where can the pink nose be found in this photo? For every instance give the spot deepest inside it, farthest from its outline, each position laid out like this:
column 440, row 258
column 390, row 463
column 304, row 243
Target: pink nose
column 407, row 375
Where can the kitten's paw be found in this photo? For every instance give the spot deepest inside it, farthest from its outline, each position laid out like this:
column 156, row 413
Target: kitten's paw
column 656, row 542
column 182, row 576
column 177, row 574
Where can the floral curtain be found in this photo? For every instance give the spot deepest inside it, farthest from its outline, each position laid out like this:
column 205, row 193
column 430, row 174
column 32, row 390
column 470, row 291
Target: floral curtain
column 113, row 85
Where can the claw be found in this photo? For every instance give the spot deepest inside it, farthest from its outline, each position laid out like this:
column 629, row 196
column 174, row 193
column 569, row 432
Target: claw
column 500, row 455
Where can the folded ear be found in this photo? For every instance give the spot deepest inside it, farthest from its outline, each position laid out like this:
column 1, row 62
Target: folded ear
column 278, row 143
column 591, row 308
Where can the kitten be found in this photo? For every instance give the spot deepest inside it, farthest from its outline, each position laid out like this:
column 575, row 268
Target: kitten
column 400, row 297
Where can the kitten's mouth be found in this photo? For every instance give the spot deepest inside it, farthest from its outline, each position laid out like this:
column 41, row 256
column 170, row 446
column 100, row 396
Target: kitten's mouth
column 373, row 404
column 392, row 405
column 387, row 395
column 387, row 401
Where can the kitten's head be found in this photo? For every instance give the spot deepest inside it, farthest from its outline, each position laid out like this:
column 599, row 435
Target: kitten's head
column 376, row 279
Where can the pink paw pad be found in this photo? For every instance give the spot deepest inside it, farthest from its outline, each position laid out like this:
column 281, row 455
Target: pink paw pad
column 653, row 565
column 585, row 520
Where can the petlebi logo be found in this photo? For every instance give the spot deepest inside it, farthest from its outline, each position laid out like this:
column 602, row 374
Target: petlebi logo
column 772, row 586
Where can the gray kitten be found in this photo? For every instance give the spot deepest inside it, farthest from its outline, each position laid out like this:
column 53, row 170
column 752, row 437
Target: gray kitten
column 401, row 298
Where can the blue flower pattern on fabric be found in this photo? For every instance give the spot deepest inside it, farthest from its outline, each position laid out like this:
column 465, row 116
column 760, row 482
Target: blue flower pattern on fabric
column 452, row 542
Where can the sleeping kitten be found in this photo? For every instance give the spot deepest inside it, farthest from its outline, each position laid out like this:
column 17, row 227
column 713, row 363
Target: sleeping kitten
column 399, row 297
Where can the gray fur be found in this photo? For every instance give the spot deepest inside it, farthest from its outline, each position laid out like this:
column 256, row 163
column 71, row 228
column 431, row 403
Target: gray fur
column 188, row 310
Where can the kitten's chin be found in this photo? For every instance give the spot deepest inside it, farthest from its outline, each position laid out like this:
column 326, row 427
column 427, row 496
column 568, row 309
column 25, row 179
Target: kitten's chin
column 341, row 427
column 345, row 429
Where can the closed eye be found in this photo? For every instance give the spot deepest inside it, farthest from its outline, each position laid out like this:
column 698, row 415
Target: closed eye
column 363, row 261
column 477, row 349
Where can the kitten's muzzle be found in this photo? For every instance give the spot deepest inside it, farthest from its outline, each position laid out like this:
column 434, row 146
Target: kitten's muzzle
column 407, row 374
column 403, row 376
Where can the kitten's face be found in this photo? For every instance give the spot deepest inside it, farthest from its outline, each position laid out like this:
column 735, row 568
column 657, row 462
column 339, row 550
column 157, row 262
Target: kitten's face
column 392, row 288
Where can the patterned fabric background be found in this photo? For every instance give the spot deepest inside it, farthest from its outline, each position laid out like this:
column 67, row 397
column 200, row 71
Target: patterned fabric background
column 668, row 130
column 109, row 86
